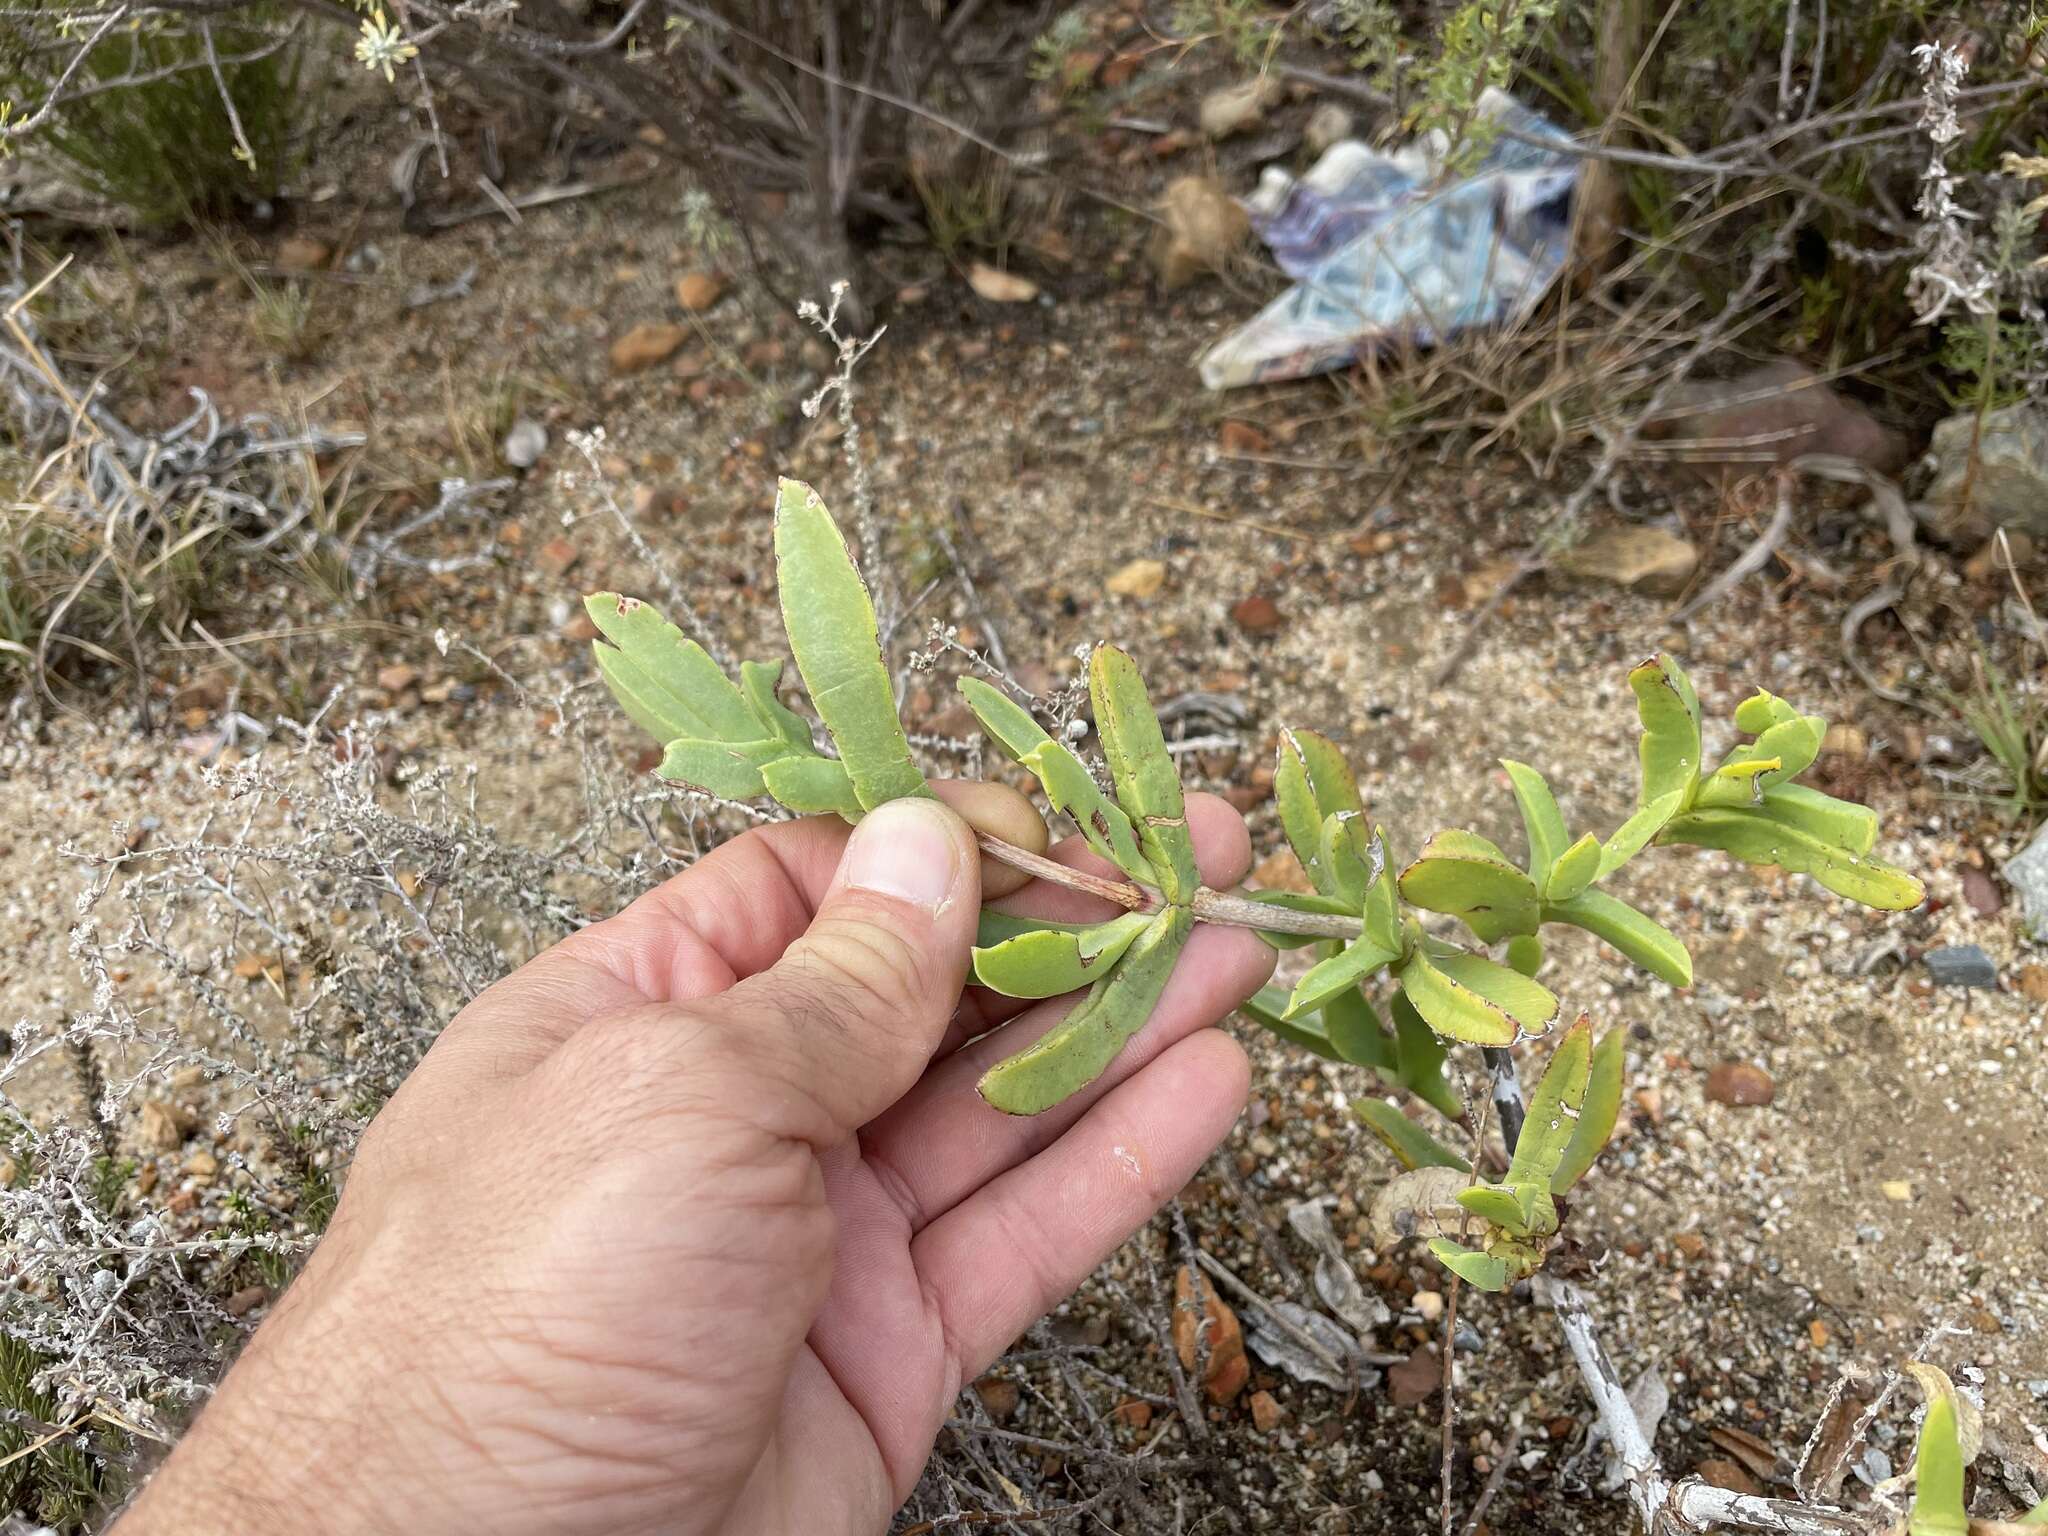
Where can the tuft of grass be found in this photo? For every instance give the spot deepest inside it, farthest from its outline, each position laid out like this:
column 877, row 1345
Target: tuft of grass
column 49, row 1476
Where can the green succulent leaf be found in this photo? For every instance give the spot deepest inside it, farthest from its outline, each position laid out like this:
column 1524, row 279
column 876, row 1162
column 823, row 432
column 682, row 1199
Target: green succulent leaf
column 1554, row 1107
column 1481, row 1271
column 1496, row 1206
column 1147, row 783
column 758, row 680
column 1347, row 856
column 1757, row 839
column 2038, row 1515
column 1541, row 819
column 1422, row 1058
column 1525, row 953
column 1342, row 972
column 1268, row 1008
column 1071, row 788
column 1079, row 1049
column 1463, row 874
column 1784, row 751
column 1381, row 913
column 1762, row 710
column 812, row 786
column 831, row 625
column 731, row 769
column 1938, row 1507
column 1468, row 997
column 1412, row 1146
column 1012, row 725
column 1843, row 823
column 994, row 927
column 1354, row 1028
column 1670, row 714
column 1576, row 868
column 1597, row 1113
column 1642, row 939
column 663, row 679
column 1636, row 834
column 1311, row 784
column 1049, row 962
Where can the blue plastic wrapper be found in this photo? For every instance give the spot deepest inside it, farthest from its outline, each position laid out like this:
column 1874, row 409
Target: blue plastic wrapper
column 1383, row 249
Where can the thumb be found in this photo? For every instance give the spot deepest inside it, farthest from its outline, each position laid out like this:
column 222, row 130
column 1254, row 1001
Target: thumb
column 863, row 998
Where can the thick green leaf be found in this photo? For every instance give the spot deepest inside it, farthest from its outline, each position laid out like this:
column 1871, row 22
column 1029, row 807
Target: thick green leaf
column 1938, row 1507
column 1422, row 1059
column 1048, row 963
column 1757, row 839
column 731, row 769
column 1850, row 827
column 1598, row 1112
column 1412, row 1146
column 1645, row 941
column 1541, row 819
column 1525, row 953
column 1072, row 789
column 1012, row 725
column 1079, row 1048
column 1268, row 1008
column 1347, row 857
column 994, row 927
column 1762, row 710
column 757, row 684
column 1670, row 713
column 2038, row 1515
column 1336, row 790
column 1354, row 1028
column 665, row 680
column 831, row 626
column 1495, row 1206
column 1382, row 910
column 1782, row 752
column 812, row 786
column 1576, row 868
column 1468, row 997
column 1635, row 834
column 1147, row 783
column 1481, row 1271
column 1311, row 784
column 1342, row 972
column 1463, row 874
column 1554, row 1108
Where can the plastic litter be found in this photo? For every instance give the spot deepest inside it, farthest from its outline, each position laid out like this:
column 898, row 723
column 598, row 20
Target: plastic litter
column 1382, row 248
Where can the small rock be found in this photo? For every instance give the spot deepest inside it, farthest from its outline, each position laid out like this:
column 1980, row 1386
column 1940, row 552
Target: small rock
column 1779, row 412
column 1982, row 892
column 2034, row 983
column 161, row 1127
column 1988, row 564
column 525, row 443
column 1266, row 1412
column 1229, row 1369
column 557, row 556
column 202, row 1165
column 1140, row 578
column 645, row 345
column 1256, row 615
column 1844, row 740
column 1692, row 1244
column 998, row 1396
column 1429, row 1305
column 397, row 677
column 1243, row 437
column 1416, row 1379
column 1238, row 107
column 1641, row 559
column 1898, row 1191
column 1200, row 228
column 1134, row 1411
column 302, row 253
column 1731, row 1475
column 698, row 291
column 1817, row 1334
column 1741, row 1084
column 1000, row 287
column 2027, row 874
column 1960, row 965
column 1326, row 125
column 247, row 1300
column 2010, row 486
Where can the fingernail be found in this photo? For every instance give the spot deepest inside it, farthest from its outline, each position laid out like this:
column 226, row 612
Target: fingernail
column 907, row 849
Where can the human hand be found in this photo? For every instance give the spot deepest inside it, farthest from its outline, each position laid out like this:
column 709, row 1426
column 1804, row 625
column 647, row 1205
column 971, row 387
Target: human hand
column 696, row 1223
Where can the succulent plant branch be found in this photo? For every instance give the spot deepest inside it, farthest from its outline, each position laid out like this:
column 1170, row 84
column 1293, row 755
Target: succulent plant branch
column 1382, row 991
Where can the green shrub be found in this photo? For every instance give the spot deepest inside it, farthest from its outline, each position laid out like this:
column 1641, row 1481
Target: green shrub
column 166, row 147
